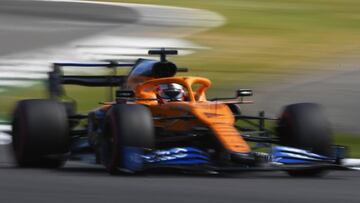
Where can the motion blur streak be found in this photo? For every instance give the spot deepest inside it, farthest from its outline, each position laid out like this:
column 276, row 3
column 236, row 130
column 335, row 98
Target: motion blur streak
column 83, row 183
column 89, row 30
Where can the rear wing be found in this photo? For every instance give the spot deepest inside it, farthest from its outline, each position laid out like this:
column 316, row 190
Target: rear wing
column 57, row 79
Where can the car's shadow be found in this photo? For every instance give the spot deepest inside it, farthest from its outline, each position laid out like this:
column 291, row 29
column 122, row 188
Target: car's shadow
column 100, row 171
column 80, row 169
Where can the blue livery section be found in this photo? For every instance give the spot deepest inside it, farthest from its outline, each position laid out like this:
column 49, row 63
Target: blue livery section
column 184, row 155
column 289, row 155
column 135, row 159
column 132, row 158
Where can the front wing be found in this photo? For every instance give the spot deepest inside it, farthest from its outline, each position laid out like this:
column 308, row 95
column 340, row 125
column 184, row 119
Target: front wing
column 192, row 159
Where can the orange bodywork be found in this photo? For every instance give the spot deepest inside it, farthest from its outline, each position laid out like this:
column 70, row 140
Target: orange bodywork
column 217, row 116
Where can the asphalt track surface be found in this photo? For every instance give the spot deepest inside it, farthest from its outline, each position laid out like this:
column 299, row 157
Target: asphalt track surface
column 86, row 183
column 28, row 25
column 31, row 27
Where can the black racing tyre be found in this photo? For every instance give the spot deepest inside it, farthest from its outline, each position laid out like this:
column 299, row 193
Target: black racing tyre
column 125, row 125
column 40, row 133
column 304, row 126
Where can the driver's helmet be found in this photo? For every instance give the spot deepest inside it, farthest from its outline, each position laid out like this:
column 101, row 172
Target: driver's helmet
column 170, row 92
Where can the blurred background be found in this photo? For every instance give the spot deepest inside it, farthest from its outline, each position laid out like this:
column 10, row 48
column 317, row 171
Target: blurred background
column 287, row 51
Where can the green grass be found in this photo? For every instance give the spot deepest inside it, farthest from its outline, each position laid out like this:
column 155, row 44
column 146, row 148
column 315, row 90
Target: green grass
column 351, row 141
column 267, row 40
column 87, row 98
column 9, row 98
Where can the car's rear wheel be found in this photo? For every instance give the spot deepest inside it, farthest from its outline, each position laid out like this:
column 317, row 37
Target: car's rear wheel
column 125, row 126
column 40, row 133
column 304, row 126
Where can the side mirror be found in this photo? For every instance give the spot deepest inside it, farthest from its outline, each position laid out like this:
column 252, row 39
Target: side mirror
column 244, row 93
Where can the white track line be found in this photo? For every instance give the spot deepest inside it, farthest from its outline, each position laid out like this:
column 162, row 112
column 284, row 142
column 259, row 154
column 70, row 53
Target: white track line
column 5, row 138
column 184, row 16
column 351, row 163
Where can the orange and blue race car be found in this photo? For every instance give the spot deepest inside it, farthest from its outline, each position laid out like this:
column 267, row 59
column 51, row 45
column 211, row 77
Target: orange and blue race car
column 160, row 121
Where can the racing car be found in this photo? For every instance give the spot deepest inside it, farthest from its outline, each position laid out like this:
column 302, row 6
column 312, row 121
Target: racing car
column 158, row 120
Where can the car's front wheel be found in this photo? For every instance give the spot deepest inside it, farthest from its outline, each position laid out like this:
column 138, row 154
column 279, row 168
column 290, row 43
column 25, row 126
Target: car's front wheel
column 304, row 126
column 125, row 126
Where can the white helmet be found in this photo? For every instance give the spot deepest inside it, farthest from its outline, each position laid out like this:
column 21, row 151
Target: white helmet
column 170, row 92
